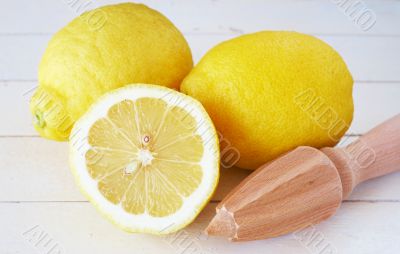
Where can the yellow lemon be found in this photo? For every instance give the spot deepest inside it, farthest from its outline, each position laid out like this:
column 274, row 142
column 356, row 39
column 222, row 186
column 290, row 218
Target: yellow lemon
column 147, row 157
column 101, row 50
column 272, row 91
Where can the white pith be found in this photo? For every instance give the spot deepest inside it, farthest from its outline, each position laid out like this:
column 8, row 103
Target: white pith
column 145, row 157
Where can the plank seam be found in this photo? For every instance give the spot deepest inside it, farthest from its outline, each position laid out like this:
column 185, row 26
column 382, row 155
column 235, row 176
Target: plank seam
column 226, row 33
column 355, row 81
column 211, row 202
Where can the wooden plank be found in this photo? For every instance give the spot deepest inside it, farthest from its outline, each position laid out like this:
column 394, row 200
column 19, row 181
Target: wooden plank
column 77, row 228
column 38, row 191
column 20, row 54
column 14, row 107
column 222, row 16
column 374, row 103
column 34, row 169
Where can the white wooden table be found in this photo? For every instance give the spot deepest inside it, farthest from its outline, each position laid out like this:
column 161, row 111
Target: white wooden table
column 41, row 209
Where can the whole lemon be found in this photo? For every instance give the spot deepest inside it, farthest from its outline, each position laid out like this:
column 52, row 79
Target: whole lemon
column 101, row 50
column 272, row 91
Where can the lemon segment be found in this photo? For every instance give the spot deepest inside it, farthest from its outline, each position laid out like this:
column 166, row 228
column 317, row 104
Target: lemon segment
column 147, row 157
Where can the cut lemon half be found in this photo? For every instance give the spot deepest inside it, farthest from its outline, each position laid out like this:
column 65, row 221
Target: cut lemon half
column 147, row 157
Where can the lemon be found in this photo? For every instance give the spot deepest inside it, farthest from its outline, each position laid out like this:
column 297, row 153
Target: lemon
column 147, row 157
column 101, row 50
column 272, row 91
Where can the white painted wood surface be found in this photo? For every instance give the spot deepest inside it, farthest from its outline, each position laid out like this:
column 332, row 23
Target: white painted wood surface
column 39, row 200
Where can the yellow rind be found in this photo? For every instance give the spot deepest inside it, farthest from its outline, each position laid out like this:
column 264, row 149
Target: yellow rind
column 271, row 91
column 135, row 44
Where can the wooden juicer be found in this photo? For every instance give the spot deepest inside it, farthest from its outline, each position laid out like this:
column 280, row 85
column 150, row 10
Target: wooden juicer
column 305, row 186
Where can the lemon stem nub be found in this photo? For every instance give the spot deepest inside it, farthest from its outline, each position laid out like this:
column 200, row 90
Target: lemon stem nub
column 39, row 120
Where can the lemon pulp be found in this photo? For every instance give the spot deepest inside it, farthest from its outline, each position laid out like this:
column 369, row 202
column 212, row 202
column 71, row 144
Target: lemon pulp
column 143, row 145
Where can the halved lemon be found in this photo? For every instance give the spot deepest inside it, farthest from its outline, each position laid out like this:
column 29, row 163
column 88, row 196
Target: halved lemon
column 147, row 157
